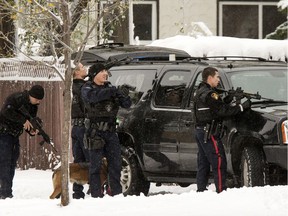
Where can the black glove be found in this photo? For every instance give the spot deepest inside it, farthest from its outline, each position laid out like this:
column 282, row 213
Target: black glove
column 124, row 90
column 228, row 98
column 239, row 93
column 232, row 92
column 246, row 104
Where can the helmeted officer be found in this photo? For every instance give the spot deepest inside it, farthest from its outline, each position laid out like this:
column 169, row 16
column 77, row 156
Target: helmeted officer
column 80, row 153
column 13, row 119
column 102, row 101
column 210, row 111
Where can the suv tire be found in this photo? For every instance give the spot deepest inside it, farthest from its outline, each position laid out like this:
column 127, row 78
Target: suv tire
column 252, row 167
column 132, row 179
column 184, row 184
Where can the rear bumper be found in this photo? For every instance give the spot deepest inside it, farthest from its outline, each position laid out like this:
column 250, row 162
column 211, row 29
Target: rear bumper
column 276, row 154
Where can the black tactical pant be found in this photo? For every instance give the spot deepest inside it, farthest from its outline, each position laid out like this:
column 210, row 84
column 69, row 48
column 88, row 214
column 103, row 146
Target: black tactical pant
column 80, row 154
column 112, row 152
column 211, row 154
column 9, row 154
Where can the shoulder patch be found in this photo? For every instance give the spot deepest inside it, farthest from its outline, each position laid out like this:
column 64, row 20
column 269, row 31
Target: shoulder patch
column 215, row 96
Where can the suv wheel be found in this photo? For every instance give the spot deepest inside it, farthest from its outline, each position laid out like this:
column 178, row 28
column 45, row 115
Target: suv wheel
column 132, row 179
column 252, row 167
column 184, row 184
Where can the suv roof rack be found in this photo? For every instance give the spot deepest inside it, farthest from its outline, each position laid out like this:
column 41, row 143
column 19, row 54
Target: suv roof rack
column 107, row 45
column 160, row 55
column 229, row 58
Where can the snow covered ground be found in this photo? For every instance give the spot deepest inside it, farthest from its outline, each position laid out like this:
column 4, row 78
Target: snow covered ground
column 32, row 189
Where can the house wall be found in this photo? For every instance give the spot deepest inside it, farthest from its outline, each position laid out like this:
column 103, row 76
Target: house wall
column 176, row 16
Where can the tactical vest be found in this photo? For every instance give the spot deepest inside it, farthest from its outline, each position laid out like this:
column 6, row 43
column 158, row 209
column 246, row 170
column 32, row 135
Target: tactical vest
column 202, row 111
column 104, row 109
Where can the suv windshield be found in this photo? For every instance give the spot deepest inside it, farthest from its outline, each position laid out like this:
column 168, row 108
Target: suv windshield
column 141, row 79
column 270, row 84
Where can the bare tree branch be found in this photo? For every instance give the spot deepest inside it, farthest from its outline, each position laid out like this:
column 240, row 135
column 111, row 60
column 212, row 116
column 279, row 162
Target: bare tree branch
column 92, row 28
column 52, row 15
column 77, row 13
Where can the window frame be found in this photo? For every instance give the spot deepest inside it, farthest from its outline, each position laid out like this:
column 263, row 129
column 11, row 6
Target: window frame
column 159, row 86
column 153, row 22
column 248, row 3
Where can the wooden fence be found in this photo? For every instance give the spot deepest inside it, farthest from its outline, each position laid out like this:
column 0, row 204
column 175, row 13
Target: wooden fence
column 19, row 76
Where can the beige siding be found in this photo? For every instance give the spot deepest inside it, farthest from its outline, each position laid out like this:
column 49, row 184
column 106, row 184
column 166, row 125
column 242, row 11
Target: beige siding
column 176, row 16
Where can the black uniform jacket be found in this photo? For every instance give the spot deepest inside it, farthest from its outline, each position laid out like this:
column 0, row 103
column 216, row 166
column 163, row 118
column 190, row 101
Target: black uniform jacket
column 11, row 117
column 210, row 106
column 77, row 102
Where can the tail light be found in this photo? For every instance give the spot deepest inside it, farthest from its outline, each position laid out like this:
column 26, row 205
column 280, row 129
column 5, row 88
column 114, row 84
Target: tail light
column 284, row 129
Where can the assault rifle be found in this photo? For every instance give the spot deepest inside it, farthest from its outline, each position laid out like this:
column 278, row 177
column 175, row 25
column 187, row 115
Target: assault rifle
column 111, row 62
column 240, row 94
column 36, row 123
column 129, row 87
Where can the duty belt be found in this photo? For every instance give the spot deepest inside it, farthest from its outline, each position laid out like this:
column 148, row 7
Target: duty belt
column 214, row 128
column 103, row 126
column 5, row 130
column 77, row 122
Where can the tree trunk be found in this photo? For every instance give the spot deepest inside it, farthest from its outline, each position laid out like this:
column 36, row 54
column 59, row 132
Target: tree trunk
column 67, row 106
column 8, row 32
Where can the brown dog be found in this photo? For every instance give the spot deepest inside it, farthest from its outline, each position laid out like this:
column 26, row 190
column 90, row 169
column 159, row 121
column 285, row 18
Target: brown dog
column 79, row 173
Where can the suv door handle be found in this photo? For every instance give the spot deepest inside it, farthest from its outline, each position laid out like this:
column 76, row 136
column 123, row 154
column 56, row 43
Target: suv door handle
column 150, row 119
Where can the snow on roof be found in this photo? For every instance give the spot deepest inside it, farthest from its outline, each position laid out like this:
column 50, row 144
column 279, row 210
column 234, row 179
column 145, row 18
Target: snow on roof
column 283, row 4
column 227, row 46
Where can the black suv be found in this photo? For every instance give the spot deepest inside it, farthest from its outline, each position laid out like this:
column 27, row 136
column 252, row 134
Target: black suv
column 157, row 132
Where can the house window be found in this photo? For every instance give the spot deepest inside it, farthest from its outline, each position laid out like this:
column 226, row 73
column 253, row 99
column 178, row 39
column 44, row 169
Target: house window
column 142, row 22
column 245, row 19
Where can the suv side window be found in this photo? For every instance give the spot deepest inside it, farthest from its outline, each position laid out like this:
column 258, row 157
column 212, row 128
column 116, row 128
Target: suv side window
column 171, row 88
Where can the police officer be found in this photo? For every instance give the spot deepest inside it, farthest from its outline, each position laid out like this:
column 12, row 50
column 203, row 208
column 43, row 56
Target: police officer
column 12, row 122
column 80, row 153
column 102, row 101
column 210, row 111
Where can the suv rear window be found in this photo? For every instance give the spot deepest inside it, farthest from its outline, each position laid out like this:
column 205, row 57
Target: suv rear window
column 141, row 79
